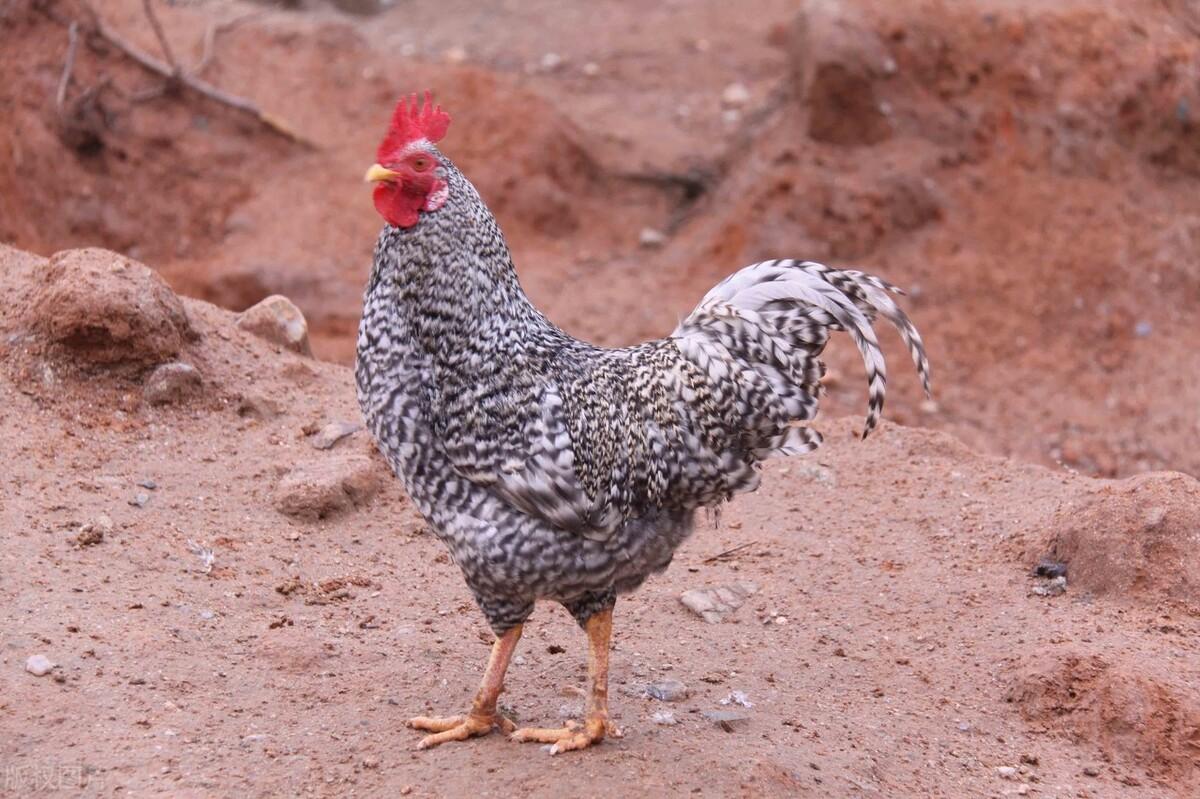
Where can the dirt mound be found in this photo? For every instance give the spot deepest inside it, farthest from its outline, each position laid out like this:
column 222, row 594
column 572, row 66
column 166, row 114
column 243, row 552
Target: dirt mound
column 1137, row 539
column 1133, row 716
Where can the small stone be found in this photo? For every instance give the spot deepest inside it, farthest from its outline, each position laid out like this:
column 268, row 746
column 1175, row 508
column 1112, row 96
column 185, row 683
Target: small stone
column 591, row 69
column 278, row 320
column 737, row 698
column 140, row 500
column 1030, row 760
column 728, row 720
column 735, row 95
column 714, row 604
column 332, row 433
column 1143, row 329
column 651, row 238
column 172, row 383
column 1006, row 772
column 665, row 718
column 1091, row 771
column 207, row 615
column 455, row 55
column 1053, row 587
column 93, row 533
column 39, row 665
column 551, row 62
column 667, row 690
column 149, row 484
column 929, row 406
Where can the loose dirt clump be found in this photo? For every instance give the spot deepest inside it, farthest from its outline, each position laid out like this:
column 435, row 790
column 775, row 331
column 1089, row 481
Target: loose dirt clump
column 99, row 307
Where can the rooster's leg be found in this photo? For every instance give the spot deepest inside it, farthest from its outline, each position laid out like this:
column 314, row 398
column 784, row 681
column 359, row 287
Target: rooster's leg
column 483, row 717
column 596, row 726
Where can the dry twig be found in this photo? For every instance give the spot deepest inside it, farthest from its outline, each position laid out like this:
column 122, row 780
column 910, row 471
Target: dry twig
column 72, row 47
column 203, row 88
column 729, row 552
column 148, row 6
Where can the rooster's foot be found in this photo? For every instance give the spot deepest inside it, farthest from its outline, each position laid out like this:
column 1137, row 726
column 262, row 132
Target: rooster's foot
column 571, row 737
column 458, row 728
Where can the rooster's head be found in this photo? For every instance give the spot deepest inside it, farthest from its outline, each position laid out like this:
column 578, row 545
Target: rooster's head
column 409, row 171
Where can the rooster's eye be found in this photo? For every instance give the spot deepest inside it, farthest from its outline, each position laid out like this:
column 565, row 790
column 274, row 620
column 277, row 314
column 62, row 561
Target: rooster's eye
column 421, row 164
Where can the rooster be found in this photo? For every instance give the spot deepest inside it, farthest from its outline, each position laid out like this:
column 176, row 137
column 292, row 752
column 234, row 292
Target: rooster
column 556, row 470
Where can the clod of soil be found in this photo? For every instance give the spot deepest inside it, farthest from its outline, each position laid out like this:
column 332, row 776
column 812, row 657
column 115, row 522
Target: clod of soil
column 104, row 308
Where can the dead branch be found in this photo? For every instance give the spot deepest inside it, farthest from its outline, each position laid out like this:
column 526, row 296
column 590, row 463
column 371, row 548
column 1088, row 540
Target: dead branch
column 148, row 6
column 210, row 38
column 60, row 97
column 203, row 88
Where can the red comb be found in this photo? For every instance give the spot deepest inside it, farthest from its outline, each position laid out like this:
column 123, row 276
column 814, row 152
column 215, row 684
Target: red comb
column 414, row 120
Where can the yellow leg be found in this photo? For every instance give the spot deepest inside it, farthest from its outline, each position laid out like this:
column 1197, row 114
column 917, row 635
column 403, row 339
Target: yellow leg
column 596, row 726
column 483, row 717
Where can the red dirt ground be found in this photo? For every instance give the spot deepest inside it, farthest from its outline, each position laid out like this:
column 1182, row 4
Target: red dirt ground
column 1027, row 169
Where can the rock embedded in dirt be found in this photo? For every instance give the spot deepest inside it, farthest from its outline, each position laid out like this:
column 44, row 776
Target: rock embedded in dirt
column 278, row 320
column 171, row 383
column 39, row 665
column 332, row 433
column 728, row 720
column 322, row 488
column 92, row 533
column 667, row 690
column 106, row 309
column 714, row 604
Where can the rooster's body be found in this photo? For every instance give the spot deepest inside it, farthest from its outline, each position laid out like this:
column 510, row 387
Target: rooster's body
column 554, row 469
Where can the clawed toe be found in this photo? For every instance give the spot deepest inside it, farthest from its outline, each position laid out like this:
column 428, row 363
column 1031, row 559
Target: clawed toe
column 457, row 728
column 572, row 737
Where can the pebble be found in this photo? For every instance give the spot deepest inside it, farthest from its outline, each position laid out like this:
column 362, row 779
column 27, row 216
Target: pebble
column 1051, row 587
column 651, row 238
column 332, row 433
column 455, row 55
column 665, row 718
column 737, row 698
column 140, row 499
column 1006, row 772
column 667, row 690
column 1091, row 771
column 714, row 604
column 172, row 383
column 591, row 69
column 735, row 94
column 551, row 62
column 94, row 532
column 278, row 320
column 728, row 720
column 39, row 665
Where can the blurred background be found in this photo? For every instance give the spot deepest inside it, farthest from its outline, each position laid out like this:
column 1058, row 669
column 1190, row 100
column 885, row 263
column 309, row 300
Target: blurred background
column 1028, row 169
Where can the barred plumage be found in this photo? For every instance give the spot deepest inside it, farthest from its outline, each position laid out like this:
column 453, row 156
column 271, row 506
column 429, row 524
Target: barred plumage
column 554, row 469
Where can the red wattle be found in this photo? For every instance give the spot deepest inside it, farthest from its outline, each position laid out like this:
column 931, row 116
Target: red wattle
column 397, row 206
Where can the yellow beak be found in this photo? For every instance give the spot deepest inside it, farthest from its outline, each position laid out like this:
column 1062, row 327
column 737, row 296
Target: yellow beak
column 377, row 174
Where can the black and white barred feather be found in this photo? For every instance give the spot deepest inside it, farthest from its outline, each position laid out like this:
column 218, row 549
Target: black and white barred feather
column 555, row 469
